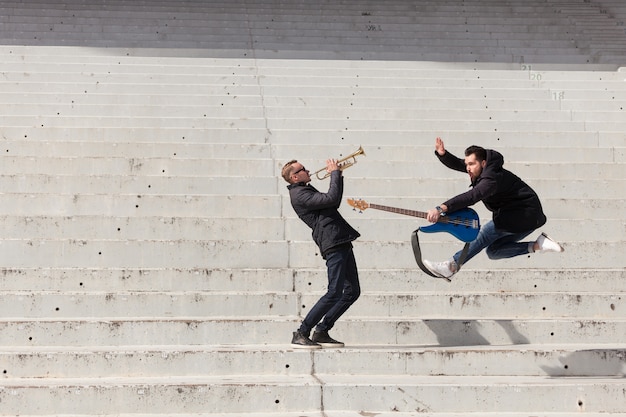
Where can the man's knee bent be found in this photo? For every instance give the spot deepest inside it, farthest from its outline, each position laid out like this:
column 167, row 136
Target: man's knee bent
column 493, row 253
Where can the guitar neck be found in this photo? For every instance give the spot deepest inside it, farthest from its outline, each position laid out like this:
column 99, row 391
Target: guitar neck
column 413, row 213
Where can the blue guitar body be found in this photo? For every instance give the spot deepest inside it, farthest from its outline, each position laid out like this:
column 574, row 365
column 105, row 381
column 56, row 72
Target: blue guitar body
column 463, row 224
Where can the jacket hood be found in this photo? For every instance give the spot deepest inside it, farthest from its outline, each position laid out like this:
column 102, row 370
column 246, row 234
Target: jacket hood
column 495, row 160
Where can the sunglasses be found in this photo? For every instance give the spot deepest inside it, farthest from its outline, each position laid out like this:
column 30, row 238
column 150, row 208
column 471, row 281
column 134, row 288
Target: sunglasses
column 299, row 171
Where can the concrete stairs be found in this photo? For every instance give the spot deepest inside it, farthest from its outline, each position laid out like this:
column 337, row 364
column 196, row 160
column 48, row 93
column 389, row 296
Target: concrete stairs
column 562, row 31
column 151, row 264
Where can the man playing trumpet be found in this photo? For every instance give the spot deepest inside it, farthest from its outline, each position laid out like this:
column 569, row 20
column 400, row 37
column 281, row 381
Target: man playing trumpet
column 333, row 235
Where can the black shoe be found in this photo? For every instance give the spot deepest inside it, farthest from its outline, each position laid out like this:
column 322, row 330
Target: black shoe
column 300, row 341
column 325, row 340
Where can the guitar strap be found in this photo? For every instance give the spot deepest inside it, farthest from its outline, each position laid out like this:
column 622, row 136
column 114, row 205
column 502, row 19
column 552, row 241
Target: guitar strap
column 418, row 256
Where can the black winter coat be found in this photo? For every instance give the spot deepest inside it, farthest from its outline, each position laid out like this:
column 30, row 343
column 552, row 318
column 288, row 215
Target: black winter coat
column 514, row 204
column 319, row 211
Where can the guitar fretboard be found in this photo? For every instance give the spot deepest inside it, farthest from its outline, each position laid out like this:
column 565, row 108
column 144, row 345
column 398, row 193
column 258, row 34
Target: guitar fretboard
column 407, row 212
column 450, row 219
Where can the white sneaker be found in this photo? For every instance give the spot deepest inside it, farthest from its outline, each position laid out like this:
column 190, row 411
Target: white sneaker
column 440, row 269
column 548, row 245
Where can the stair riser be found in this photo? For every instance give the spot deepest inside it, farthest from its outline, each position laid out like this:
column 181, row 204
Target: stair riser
column 556, row 362
column 259, row 397
column 355, row 333
column 159, row 398
column 601, row 306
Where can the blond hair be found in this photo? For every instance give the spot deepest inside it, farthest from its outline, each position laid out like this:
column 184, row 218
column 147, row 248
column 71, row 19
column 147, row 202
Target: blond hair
column 286, row 172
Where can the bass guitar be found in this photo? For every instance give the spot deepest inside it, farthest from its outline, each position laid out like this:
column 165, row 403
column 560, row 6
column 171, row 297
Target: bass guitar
column 463, row 224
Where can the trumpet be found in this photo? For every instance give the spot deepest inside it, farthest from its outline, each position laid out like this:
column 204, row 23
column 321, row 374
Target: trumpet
column 343, row 163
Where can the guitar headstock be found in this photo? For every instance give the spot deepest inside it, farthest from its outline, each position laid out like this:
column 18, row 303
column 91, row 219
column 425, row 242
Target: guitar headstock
column 358, row 204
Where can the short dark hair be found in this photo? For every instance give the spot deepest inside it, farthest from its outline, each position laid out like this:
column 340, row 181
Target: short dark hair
column 479, row 151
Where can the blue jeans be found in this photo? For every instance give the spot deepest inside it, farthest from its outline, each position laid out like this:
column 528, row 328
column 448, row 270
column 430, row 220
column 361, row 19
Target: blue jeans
column 343, row 291
column 500, row 244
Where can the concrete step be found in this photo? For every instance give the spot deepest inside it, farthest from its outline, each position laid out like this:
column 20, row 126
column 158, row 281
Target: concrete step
column 399, row 254
column 209, row 118
column 149, row 279
column 139, row 184
column 458, row 305
column 241, row 304
column 565, row 147
column 105, row 80
column 206, row 253
column 341, row 413
column 164, row 58
column 63, row 62
column 482, row 395
column 254, row 207
column 170, row 395
column 306, row 280
column 159, row 166
column 154, row 304
column 555, row 361
column 222, row 167
column 301, row 393
column 129, row 122
column 583, row 148
column 147, row 253
column 112, row 136
column 346, row 124
column 277, row 330
column 206, row 112
column 432, row 125
column 303, row 31
column 229, row 92
column 139, row 205
column 80, row 227
column 103, row 146
column 268, row 185
column 504, row 142
column 200, row 104
column 167, row 228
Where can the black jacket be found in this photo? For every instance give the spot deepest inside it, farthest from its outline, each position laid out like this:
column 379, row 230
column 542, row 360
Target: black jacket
column 319, row 211
column 515, row 206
